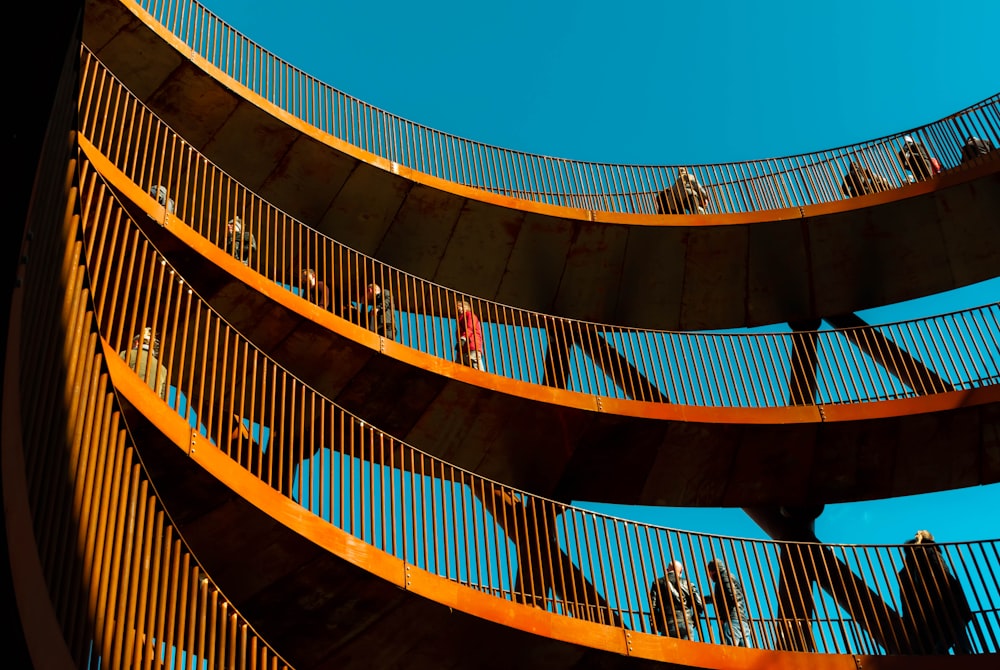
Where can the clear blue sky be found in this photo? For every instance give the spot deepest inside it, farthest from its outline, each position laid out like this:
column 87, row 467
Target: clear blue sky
column 668, row 82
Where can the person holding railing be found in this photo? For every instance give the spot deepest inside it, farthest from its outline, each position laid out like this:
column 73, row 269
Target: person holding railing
column 863, row 181
column 144, row 358
column 933, row 605
column 674, row 603
column 685, row 196
column 469, row 349
column 730, row 604
column 240, row 244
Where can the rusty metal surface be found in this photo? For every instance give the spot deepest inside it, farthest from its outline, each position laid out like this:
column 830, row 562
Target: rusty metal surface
column 716, row 273
column 343, row 615
column 717, row 370
column 114, row 565
column 560, row 447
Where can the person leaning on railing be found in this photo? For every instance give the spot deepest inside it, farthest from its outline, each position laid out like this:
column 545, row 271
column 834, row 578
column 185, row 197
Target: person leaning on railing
column 380, row 313
column 915, row 158
column 975, row 147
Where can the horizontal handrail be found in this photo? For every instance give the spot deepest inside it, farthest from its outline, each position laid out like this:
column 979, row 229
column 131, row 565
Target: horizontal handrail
column 852, row 364
column 747, row 186
column 494, row 538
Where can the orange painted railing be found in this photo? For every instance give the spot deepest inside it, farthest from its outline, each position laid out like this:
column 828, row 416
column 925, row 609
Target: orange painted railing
column 101, row 574
column 851, row 364
column 747, row 186
column 491, row 537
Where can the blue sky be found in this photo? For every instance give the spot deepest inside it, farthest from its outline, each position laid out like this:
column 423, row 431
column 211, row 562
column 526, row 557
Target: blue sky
column 668, row 82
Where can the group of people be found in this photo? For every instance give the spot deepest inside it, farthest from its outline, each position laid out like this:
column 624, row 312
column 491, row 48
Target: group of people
column 933, row 607
column 377, row 303
column 379, row 315
column 688, row 196
column 676, row 605
column 915, row 160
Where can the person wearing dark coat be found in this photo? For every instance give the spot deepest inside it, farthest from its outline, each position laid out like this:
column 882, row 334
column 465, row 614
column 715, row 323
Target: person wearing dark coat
column 862, row 181
column 933, row 605
column 730, row 604
column 382, row 316
column 144, row 358
column 914, row 157
column 240, row 244
column 675, row 603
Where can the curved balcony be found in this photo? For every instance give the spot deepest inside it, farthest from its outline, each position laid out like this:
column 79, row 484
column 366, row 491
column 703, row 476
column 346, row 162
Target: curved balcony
column 101, row 575
column 570, row 444
column 747, row 186
column 725, row 269
column 934, row 377
column 853, row 364
column 477, row 546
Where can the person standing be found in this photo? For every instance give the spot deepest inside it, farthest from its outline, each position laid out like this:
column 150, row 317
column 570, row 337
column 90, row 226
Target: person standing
column 862, row 181
column 240, row 244
column 313, row 290
column 382, row 313
column 675, row 603
column 144, row 358
column 730, row 604
column 685, row 196
column 469, row 347
column 915, row 158
column 933, row 605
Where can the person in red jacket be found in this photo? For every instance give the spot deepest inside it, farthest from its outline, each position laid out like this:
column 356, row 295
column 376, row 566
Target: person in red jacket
column 469, row 348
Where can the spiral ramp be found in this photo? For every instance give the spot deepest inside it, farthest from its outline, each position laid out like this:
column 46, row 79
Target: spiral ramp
column 373, row 554
column 587, row 255
column 598, row 402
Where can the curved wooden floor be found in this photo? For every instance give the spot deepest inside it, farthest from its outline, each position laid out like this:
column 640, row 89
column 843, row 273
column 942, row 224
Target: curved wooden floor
column 678, row 272
column 574, row 446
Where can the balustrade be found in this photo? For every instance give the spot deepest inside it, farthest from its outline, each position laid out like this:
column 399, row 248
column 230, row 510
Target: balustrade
column 851, row 364
column 746, row 186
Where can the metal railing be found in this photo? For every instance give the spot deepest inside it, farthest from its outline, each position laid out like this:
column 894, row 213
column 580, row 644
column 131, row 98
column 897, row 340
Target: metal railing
column 123, row 587
column 496, row 539
column 746, row 186
column 847, row 365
